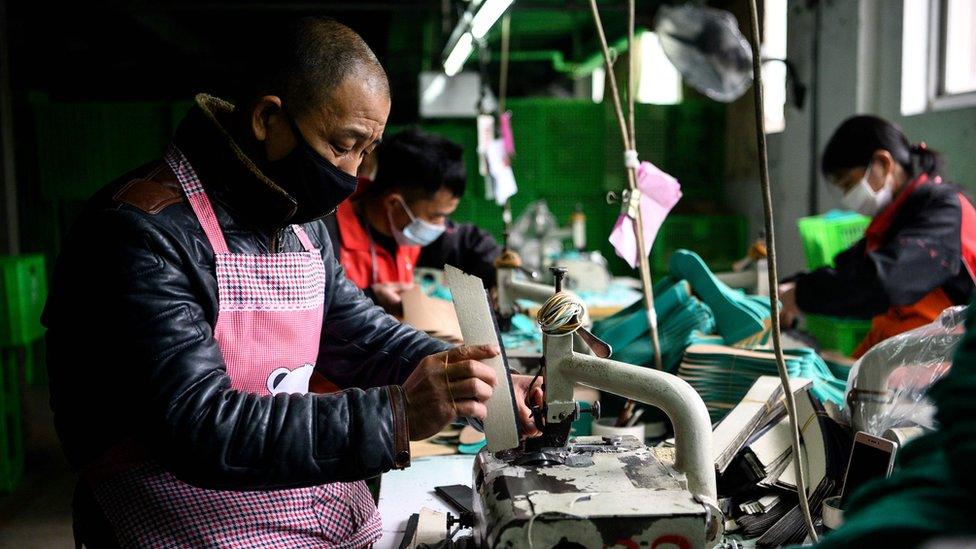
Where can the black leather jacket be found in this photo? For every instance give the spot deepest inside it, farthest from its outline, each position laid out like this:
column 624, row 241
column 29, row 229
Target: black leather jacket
column 130, row 344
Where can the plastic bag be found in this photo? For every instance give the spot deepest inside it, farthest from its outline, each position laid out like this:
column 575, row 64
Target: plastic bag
column 887, row 387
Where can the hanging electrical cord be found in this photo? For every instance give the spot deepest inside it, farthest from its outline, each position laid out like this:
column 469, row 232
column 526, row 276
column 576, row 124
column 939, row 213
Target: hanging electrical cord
column 503, row 68
column 502, row 94
column 631, row 162
column 757, row 84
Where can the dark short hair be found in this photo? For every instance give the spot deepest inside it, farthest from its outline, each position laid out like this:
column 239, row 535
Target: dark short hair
column 417, row 164
column 304, row 60
column 857, row 138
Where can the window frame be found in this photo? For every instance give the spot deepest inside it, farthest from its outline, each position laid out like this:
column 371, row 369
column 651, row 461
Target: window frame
column 938, row 99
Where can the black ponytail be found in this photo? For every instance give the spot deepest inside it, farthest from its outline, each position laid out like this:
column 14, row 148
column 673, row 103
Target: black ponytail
column 926, row 160
column 855, row 140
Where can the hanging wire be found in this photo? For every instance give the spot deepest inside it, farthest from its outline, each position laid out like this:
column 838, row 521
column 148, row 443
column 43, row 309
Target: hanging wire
column 773, row 277
column 502, row 94
column 644, row 267
column 503, row 69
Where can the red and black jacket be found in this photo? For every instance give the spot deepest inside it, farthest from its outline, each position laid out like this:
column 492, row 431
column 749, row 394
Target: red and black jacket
column 924, row 241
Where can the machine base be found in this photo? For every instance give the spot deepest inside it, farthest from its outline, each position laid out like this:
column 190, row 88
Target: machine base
column 595, row 492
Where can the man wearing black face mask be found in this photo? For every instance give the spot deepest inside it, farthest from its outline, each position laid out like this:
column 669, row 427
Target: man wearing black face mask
column 197, row 301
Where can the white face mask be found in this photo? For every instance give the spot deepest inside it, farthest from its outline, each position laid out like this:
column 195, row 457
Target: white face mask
column 865, row 200
column 418, row 232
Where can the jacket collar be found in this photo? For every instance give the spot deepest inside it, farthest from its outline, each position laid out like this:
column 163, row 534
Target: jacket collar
column 878, row 229
column 351, row 229
column 226, row 172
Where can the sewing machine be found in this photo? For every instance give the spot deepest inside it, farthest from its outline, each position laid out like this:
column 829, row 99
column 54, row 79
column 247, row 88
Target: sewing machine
column 537, row 241
column 598, row 491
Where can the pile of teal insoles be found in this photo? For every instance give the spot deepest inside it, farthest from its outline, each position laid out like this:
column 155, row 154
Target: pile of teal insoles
column 680, row 316
column 722, row 375
column 740, row 319
column 709, row 334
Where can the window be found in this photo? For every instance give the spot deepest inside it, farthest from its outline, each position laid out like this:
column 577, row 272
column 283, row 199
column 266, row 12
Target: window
column 938, row 64
column 660, row 82
column 959, row 47
column 774, row 72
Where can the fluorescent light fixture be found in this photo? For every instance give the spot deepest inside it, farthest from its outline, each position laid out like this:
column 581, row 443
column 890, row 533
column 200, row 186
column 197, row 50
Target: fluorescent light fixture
column 459, row 54
column 660, row 82
column 434, row 89
column 774, row 74
column 487, row 15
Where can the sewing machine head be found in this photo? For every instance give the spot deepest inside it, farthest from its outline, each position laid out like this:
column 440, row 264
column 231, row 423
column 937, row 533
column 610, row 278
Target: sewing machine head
column 598, row 491
column 522, row 279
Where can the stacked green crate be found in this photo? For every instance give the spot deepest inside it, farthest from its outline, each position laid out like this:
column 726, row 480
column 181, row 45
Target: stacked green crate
column 81, row 146
column 23, row 289
column 558, row 158
column 720, row 240
column 570, row 152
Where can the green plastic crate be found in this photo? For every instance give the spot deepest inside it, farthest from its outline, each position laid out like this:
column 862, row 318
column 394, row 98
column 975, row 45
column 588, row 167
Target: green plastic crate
column 11, row 429
column 720, row 240
column 824, row 236
column 837, row 334
column 23, row 290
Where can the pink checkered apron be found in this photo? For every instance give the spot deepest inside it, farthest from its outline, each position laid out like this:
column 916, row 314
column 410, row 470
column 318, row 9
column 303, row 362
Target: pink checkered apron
column 268, row 329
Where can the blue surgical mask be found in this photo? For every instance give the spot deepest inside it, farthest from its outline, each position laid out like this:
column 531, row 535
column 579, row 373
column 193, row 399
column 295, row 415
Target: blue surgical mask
column 418, row 232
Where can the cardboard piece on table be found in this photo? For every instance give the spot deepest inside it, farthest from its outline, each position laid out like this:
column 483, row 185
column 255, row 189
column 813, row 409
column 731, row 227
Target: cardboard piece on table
column 433, row 316
column 431, row 527
column 478, row 327
column 426, row 448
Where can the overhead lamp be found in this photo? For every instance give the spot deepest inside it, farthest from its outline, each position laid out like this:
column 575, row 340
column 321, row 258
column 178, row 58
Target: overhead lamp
column 459, row 54
column 474, row 24
column 487, row 16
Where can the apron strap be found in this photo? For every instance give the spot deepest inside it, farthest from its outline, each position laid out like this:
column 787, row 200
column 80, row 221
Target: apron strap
column 201, row 205
column 303, row 238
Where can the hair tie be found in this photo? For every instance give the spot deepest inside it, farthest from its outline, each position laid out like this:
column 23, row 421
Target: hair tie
column 919, row 147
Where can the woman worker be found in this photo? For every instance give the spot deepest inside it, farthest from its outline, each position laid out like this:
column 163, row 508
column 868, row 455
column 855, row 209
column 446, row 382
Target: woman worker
column 918, row 255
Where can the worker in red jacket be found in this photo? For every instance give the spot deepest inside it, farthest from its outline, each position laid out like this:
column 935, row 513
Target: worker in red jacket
column 918, row 255
column 400, row 219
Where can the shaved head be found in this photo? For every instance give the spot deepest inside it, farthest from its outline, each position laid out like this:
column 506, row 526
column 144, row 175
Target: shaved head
column 305, row 62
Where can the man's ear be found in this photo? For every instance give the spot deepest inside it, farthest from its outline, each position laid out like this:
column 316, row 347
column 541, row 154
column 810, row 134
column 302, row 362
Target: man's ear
column 392, row 202
column 261, row 113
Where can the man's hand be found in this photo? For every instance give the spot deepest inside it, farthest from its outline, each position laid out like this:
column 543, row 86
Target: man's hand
column 388, row 296
column 448, row 385
column 527, row 395
column 789, row 311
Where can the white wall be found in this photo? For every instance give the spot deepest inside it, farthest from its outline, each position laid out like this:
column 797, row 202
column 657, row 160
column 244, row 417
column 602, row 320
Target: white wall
column 860, row 72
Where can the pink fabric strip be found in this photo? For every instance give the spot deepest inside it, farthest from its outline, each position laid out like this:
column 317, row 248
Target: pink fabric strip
column 303, row 238
column 198, row 199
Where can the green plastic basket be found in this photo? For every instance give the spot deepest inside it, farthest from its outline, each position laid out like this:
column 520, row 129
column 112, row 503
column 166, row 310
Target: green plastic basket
column 23, row 290
column 720, row 240
column 837, row 334
column 824, row 236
